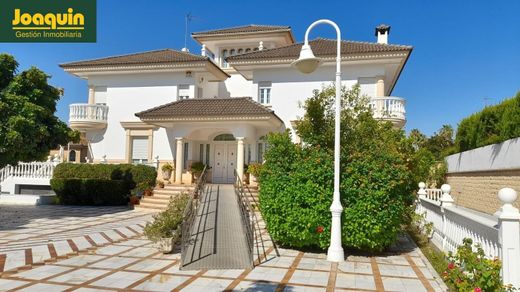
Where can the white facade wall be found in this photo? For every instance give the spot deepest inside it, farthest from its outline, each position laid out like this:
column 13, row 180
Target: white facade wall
column 291, row 88
column 127, row 94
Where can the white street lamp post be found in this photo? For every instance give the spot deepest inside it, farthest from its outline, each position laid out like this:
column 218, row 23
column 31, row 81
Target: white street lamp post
column 307, row 63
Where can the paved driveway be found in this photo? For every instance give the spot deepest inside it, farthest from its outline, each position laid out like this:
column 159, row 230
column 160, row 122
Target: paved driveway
column 32, row 235
column 132, row 263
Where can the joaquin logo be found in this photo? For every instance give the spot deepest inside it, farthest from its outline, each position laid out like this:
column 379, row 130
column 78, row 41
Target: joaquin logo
column 48, row 21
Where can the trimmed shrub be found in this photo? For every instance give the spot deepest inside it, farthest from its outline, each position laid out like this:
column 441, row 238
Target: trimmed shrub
column 100, row 184
column 143, row 176
column 493, row 124
column 97, row 192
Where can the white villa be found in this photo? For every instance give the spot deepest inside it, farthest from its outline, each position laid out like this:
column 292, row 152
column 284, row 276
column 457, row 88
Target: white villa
column 216, row 106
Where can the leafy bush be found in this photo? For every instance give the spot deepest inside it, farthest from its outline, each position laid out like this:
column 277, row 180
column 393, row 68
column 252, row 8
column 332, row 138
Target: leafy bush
column 144, row 177
column 137, row 177
column 296, row 181
column 166, row 222
column 494, row 124
column 90, row 191
column 254, row 168
column 470, row 270
column 197, row 167
column 100, row 184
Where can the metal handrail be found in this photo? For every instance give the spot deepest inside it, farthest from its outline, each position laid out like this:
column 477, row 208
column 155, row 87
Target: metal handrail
column 190, row 213
column 246, row 213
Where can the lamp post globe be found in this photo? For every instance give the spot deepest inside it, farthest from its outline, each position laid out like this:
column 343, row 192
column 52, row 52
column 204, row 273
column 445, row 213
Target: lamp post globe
column 307, row 63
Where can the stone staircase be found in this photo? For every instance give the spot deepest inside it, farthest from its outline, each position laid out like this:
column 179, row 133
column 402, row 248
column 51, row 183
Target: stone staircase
column 253, row 198
column 161, row 196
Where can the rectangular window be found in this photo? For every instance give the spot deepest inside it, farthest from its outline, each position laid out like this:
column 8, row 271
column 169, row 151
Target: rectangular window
column 185, row 158
column 183, row 92
column 207, row 154
column 248, row 153
column 260, row 153
column 139, row 149
column 264, row 92
column 201, row 153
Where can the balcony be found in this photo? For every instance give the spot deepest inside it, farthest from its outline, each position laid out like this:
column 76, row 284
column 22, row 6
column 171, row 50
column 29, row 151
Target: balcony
column 389, row 108
column 83, row 117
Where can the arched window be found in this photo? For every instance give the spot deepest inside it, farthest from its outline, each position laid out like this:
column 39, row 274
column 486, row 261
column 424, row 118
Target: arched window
column 232, row 52
column 72, row 156
column 248, row 50
column 224, row 137
column 255, row 49
column 240, row 51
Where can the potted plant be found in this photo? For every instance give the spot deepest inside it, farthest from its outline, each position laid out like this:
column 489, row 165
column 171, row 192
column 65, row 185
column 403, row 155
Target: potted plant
column 196, row 169
column 134, row 200
column 254, row 171
column 167, row 170
column 246, row 174
column 160, row 184
column 165, row 229
column 148, row 192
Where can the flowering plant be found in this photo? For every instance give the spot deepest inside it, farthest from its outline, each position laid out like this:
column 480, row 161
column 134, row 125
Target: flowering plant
column 470, row 270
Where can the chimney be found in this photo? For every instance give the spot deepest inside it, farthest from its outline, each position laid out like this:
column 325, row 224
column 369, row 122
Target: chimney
column 382, row 32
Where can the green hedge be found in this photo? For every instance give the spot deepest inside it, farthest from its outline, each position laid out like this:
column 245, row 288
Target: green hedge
column 90, row 191
column 494, row 124
column 100, row 184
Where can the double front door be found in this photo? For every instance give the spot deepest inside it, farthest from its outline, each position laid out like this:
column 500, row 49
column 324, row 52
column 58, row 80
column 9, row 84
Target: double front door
column 224, row 163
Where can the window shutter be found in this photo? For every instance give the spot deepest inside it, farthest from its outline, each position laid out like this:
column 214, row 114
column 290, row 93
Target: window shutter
column 140, row 148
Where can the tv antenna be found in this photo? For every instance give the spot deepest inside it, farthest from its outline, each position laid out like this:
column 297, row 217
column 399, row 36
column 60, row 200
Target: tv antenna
column 486, row 100
column 187, row 19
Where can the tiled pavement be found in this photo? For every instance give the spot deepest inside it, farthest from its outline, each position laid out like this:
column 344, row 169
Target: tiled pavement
column 135, row 265
column 33, row 235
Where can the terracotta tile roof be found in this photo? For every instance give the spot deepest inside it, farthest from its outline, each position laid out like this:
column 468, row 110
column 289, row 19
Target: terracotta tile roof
column 252, row 28
column 150, row 57
column 207, row 107
column 321, row 48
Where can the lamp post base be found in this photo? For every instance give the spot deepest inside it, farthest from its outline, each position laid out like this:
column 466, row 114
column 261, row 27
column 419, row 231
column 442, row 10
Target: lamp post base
column 335, row 255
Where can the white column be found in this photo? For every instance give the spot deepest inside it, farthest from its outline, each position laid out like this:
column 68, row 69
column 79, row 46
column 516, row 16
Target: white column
column 91, row 98
column 179, row 160
column 509, row 237
column 380, row 86
column 240, row 157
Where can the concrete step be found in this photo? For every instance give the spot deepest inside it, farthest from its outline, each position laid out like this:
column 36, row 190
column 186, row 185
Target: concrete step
column 162, row 196
column 166, row 192
column 146, row 205
column 179, row 187
column 155, row 200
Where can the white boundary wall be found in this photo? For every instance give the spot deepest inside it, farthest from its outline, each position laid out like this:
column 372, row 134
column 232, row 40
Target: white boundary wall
column 502, row 156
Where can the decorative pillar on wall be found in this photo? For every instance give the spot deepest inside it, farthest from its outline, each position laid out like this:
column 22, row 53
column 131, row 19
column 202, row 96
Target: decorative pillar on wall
column 91, row 97
column 179, row 151
column 509, row 237
column 380, row 86
column 240, row 157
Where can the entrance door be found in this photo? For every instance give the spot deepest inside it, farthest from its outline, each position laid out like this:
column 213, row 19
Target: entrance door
column 225, row 161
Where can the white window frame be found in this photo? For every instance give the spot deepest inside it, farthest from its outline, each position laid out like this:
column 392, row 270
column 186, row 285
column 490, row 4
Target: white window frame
column 264, row 93
column 183, row 91
column 144, row 158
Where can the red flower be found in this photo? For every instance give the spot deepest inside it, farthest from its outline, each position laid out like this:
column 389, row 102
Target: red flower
column 451, row 266
column 477, row 289
column 319, row 229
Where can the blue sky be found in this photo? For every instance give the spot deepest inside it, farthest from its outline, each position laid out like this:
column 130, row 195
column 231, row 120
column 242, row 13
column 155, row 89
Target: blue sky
column 466, row 53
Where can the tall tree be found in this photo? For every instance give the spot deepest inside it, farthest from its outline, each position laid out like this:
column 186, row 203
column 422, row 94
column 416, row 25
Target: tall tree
column 29, row 128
